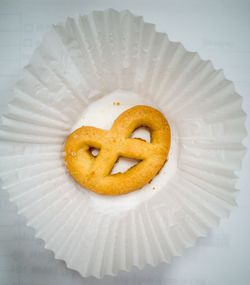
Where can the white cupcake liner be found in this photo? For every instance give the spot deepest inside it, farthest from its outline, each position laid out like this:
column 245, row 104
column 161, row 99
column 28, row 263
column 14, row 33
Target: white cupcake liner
column 66, row 85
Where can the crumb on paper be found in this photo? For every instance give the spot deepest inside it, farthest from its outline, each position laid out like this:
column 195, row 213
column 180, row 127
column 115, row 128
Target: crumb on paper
column 116, row 103
column 153, row 188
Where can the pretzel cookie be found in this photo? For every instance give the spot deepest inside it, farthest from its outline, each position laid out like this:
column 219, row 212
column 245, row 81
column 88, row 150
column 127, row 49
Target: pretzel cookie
column 94, row 172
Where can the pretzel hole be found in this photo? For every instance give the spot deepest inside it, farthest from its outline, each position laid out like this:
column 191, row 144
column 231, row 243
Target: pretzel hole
column 123, row 164
column 142, row 133
column 94, row 151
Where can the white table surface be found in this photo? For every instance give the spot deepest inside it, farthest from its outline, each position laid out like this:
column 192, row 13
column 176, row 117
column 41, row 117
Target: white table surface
column 218, row 30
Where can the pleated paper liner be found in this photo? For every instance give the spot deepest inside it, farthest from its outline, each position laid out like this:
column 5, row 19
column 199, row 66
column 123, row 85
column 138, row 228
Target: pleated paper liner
column 78, row 74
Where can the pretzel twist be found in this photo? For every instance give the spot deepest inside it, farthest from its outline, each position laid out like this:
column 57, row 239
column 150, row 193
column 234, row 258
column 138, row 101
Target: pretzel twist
column 94, row 173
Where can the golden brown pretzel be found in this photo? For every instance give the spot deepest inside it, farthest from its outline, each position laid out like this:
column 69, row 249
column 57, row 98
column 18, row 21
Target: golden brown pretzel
column 94, row 173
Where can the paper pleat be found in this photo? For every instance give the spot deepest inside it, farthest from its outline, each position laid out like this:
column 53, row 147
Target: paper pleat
column 80, row 61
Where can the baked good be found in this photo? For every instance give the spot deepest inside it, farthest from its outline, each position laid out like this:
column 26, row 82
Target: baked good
column 94, row 172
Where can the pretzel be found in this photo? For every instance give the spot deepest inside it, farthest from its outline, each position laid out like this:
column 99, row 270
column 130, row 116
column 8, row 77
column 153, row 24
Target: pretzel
column 94, row 173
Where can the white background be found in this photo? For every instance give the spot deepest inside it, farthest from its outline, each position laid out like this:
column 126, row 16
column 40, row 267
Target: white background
column 219, row 30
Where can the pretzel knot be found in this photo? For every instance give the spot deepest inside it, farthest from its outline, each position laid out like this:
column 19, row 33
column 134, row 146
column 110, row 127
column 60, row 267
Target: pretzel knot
column 94, row 173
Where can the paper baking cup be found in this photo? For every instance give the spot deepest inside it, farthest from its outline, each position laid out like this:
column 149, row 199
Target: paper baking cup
column 87, row 71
